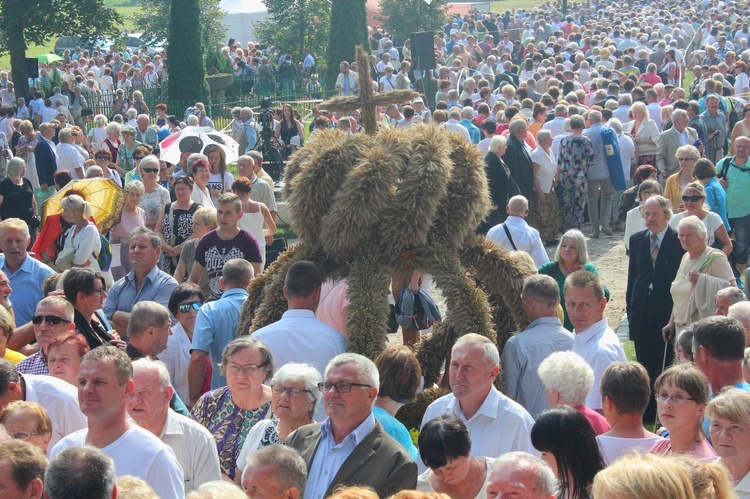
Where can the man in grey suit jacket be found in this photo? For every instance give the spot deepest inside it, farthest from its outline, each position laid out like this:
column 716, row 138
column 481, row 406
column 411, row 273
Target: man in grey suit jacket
column 350, row 447
column 679, row 135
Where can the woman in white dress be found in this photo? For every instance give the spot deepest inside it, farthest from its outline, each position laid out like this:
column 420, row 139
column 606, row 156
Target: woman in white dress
column 254, row 215
column 445, row 447
column 82, row 241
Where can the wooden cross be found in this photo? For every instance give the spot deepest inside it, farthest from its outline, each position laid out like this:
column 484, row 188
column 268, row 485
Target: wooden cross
column 367, row 101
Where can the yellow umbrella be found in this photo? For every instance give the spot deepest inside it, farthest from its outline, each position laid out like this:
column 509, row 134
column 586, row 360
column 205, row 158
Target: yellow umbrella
column 106, row 198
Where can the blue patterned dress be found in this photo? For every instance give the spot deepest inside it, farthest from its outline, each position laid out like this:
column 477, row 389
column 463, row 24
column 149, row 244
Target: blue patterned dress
column 575, row 158
column 228, row 423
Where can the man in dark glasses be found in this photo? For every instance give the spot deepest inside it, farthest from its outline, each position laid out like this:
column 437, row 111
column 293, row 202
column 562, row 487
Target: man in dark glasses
column 53, row 321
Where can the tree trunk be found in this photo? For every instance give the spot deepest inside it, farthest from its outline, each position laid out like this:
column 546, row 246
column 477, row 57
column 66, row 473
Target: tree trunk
column 17, row 49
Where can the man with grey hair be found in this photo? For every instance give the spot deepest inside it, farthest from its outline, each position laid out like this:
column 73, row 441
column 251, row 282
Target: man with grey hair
column 542, row 337
column 350, row 447
column 192, row 443
column 741, row 312
column 145, row 134
column 600, row 187
column 518, row 157
column 453, row 125
column 149, row 330
column 518, row 474
column 555, row 125
column 727, row 297
column 467, row 114
column 105, row 385
column 52, row 321
column 146, row 282
column 496, row 423
column 275, row 472
column 68, row 156
column 667, row 159
column 624, row 102
column 80, row 472
column 248, row 135
column 515, row 234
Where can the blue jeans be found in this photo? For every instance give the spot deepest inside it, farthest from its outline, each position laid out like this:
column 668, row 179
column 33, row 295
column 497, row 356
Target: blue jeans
column 741, row 227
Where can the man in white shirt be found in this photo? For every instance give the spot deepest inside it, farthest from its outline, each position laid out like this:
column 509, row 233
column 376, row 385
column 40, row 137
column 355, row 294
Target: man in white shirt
column 496, row 423
column 453, row 125
column 516, row 235
column 104, row 389
column 193, row 445
column 68, row 157
column 555, row 126
column 595, row 341
column 58, row 397
column 298, row 336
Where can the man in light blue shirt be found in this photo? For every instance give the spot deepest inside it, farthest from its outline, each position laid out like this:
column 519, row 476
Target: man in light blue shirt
column 25, row 274
column 600, row 182
column 144, row 283
column 216, row 326
column 350, row 447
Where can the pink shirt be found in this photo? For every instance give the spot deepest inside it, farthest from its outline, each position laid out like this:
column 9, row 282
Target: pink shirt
column 128, row 223
column 701, row 450
column 596, row 420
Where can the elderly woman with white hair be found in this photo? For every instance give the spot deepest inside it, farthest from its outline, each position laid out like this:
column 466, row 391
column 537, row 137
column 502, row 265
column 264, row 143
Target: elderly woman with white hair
column 294, row 397
column 82, row 241
column 98, row 132
column 155, row 197
column 544, row 212
column 501, row 183
column 729, row 413
column 703, row 271
column 17, row 194
column 644, row 132
column 568, row 379
column 125, row 162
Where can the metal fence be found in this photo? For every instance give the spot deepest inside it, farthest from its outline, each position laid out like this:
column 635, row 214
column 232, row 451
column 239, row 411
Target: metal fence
column 299, row 92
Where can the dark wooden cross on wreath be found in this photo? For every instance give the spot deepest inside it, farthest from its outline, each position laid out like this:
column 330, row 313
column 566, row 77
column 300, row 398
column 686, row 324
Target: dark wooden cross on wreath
column 368, row 100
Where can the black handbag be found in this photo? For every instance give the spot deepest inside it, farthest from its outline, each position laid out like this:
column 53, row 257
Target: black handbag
column 276, row 248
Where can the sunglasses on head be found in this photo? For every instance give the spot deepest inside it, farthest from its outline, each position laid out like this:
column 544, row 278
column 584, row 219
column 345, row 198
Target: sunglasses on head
column 101, row 157
column 52, row 320
column 185, row 307
column 692, row 199
column 150, row 170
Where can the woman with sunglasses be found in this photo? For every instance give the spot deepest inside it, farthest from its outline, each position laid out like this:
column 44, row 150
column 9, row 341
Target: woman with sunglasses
column 184, row 303
column 103, row 159
column 294, row 396
column 742, row 128
column 676, row 183
column 681, row 396
column 86, row 291
column 175, row 224
column 155, row 197
column 693, row 199
column 230, row 412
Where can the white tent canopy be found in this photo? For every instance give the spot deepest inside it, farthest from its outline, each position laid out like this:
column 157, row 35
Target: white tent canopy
column 240, row 16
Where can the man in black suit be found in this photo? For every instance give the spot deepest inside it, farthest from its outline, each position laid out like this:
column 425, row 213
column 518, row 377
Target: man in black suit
column 373, row 458
column 501, row 183
column 46, row 159
column 518, row 158
column 655, row 255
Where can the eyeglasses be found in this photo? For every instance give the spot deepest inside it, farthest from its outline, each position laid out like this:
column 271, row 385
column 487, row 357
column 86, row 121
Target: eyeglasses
column 102, row 157
column 686, row 159
column 746, row 110
column 661, row 398
column 138, row 157
column 691, row 199
column 247, row 370
column 22, row 435
column 101, row 291
column 52, row 320
column 340, row 386
column 292, row 392
column 150, row 170
column 185, row 307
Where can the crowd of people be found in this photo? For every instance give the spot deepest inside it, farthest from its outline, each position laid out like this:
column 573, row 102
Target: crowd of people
column 124, row 372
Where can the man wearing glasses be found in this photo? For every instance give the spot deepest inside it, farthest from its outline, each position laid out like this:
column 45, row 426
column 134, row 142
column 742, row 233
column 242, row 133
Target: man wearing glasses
column 350, row 447
column 667, row 160
column 53, row 321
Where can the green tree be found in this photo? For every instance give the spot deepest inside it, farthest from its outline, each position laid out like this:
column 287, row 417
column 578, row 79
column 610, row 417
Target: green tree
column 27, row 22
column 292, row 25
column 187, row 74
column 349, row 22
column 150, row 20
column 403, row 17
